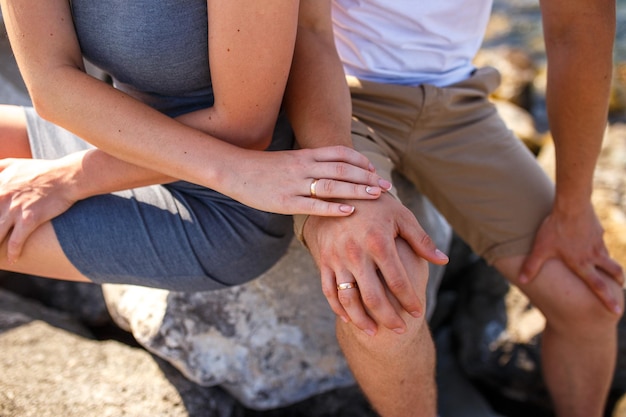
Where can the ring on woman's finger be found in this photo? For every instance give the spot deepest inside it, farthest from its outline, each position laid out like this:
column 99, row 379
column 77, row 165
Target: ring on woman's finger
column 346, row 286
column 313, row 187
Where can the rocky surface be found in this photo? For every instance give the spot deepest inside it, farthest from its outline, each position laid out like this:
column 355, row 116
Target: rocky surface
column 65, row 355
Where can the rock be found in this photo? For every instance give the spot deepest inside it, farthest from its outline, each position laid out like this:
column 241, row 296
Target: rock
column 457, row 396
column 16, row 311
column 517, row 70
column 269, row 343
column 521, row 122
column 617, row 99
column 496, row 332
column 83, row 301
column 51, row 367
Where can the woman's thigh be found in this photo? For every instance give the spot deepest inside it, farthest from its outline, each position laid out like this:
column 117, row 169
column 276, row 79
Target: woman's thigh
column 178, row 237
column 13, row 133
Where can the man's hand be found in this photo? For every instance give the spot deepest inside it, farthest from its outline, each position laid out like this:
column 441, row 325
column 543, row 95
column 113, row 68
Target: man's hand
column 577, row 240
column 361, row 249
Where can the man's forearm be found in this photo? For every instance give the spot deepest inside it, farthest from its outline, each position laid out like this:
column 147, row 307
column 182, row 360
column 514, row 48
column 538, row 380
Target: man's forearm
column 579, row 46
column 317, row 97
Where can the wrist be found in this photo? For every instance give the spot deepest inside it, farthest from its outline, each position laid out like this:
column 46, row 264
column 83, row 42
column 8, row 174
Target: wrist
column 72, row 178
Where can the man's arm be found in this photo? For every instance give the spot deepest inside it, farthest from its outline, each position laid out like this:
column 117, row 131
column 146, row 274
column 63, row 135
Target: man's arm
column 363, row 249
column 579, row 38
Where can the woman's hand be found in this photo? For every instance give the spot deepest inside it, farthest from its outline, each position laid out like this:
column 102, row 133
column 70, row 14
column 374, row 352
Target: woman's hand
column 304, row 181
column 32, row 192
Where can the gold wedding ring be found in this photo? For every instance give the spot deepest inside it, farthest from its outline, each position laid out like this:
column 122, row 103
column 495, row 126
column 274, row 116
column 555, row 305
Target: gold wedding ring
column 312, row 188
column 346, row 286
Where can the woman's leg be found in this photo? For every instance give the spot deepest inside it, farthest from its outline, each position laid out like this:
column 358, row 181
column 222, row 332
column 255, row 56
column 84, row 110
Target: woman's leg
column 42, row 254
column 13, row 135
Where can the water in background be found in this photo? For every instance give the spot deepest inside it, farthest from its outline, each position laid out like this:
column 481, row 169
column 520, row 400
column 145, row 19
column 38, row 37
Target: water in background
column 524, row 27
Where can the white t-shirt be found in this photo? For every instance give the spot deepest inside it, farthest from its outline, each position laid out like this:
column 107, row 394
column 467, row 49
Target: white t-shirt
column 410, row 42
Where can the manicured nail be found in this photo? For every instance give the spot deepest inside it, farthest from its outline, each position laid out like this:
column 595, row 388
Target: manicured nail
column 372, row 190
column 346, row 209
column 441, row 255
column 384, row 184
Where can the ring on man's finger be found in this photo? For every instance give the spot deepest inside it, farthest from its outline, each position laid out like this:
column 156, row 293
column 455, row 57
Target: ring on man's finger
column 346, row 285
column 313, row 187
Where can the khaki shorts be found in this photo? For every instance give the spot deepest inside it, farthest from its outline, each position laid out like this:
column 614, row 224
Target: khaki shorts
column 451, row 143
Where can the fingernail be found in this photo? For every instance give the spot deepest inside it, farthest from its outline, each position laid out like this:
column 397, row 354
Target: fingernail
column 523, row 279
column 346, row 209
column 417, row 314
column 345, row 319
column 384, row 184
column 399, row 330
column 372, row 167
column 617, row 309
column 369, row 332
column 440, row 254
column 372, row 190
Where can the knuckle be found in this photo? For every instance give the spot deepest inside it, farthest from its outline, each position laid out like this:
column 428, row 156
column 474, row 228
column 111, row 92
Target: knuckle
column 342, row 151
column 427, row 240
column 372, row 300
column 376, row 242
column 346, row 298
column 328, row 186
column 341, row 169
column 329, row 291
column 398, row 286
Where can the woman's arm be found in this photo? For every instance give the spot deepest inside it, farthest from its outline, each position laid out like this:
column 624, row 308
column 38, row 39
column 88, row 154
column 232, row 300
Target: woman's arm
column 251, row 46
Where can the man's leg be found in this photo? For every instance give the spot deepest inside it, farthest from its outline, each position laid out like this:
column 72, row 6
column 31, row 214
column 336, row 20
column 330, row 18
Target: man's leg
column 579, row 344
column 396, row 372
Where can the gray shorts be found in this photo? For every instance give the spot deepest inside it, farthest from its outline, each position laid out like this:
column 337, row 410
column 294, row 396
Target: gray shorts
column 177, row 236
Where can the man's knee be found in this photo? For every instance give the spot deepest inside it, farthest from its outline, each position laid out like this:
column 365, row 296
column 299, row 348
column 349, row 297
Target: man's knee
column 385, row 343
column 580, row 308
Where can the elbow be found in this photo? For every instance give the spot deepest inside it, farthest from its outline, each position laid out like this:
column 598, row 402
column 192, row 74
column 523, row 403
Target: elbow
column 41, row 106
column 44, row 102
column 258, row 141
column 256, row 136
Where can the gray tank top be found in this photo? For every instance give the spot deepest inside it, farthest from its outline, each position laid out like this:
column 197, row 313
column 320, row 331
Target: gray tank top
column 155, row 50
